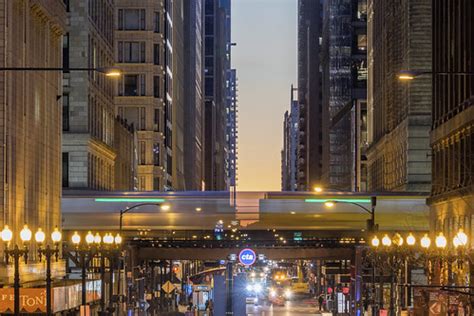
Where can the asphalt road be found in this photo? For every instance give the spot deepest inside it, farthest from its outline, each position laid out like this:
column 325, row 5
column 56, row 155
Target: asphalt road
column 291, row 308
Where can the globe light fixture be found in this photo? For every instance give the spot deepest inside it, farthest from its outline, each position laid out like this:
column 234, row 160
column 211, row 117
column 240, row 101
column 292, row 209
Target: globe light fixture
column 375, row 241
column 108, row 239
column 398, row 240
column 7, row 234
column 118, row 239
column 97, row 238
column 425, row 241
column 462, row 237
column 40, row 236
column 56, row 235
column 456, row 242
column 441, row 241
column 25, row 234
column 90, row 238
column 76, row 238
column 411, row 240
column 386, row 241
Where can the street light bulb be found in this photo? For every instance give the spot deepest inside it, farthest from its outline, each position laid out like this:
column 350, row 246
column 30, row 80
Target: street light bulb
column 441, row 241
column 56, row 235
column 108, row 239
column 329, row 203
column 7, row 234
column 318, row 189
column 456, row 242
column 411, row 240
column 76, row 238
column 425, row 241
column 386, row 241
column 97, row 238
column 118, row 239
column 375, row 241
column 40, row 236
column 165, row 207
column 25, row 234
column 405, row 77
column 111, row 72
column 462, row 237
column 89, row 238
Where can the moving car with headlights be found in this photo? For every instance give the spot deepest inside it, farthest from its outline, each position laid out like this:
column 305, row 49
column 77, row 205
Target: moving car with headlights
column 278, row 295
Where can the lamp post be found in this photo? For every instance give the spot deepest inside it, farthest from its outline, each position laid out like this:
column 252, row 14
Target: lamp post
column 108, row 71
column 164, row 207
column 371, row 226
column 394, row 252
column 16, row 253
column 407, row 75
column 48, row 252
column 106, row 246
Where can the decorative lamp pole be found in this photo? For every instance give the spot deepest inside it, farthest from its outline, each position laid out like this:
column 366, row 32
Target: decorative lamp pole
column 16, row 253
column 48, row 252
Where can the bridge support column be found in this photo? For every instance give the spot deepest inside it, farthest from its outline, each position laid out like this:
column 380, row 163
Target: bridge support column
column 229, row 288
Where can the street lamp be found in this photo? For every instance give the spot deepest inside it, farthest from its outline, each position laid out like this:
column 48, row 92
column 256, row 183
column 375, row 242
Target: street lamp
column 16, row 253
column 164, row 207
column 373, row 202
column 108, row 71
column 407, row 75
column 48, row 252
column 107, row 246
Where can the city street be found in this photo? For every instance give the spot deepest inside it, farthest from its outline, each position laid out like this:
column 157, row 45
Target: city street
column 237, row 157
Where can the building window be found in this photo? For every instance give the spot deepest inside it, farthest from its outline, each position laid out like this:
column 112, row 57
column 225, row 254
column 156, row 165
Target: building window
column 156, row 154
column 65, row 167
column 142, row 153
column 131, row 19
column 131, row 52
column 156, row 22
column 156, row 54
column 156, row 87
column 156, row 120
column 132, row 85
column 142, row 119
column 65, row 112
column 66, row 51
column 156, row 183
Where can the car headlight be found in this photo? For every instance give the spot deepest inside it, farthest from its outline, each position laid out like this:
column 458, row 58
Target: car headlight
column 257, row 288
column 273, row 293
column 288, row 293
column 249, row 287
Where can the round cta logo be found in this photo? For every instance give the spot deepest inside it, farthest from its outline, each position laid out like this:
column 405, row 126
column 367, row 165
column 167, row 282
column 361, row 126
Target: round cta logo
column 247, row 257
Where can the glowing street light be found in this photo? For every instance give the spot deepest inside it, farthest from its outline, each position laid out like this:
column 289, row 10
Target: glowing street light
column 425, row 242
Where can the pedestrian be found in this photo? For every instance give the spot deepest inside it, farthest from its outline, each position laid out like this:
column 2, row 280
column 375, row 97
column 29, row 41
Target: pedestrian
column 321, row 301
column 211, row 307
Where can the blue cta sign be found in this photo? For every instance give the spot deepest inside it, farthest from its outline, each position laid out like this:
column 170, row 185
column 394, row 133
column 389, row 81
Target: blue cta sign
column 247, row 257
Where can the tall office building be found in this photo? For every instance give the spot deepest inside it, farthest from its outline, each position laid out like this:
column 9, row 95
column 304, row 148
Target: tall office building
column 143, row 50
column 452, row 133
column 344, row 46
column 399, row 113
column 291, row 130
column 30, row 115
column 311, row 113
column 231, row 128
column 193, row 98
column 90, row 146
column 216, row 67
